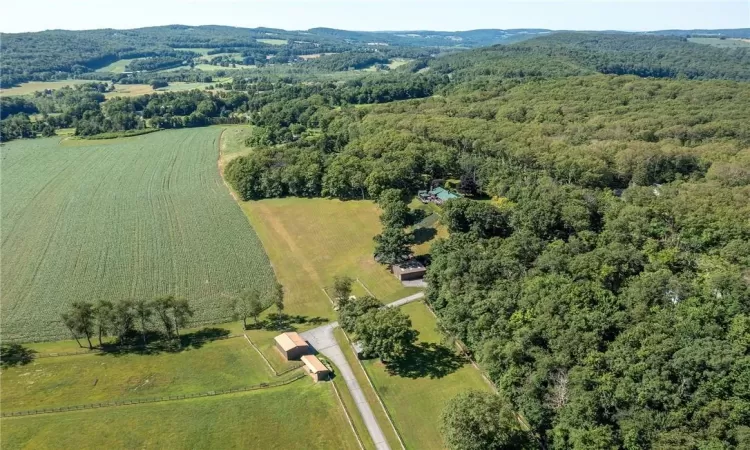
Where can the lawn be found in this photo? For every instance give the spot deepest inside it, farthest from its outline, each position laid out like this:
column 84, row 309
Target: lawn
column 299, row 415
column 309, row 241
column 131, row 217
column 372, row 397
column 91, row 378
column 416, row 392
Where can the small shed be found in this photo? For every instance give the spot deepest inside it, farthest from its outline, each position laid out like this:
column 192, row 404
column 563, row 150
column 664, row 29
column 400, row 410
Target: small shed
column 315, row 368
column 409, row 270
column 291, row 345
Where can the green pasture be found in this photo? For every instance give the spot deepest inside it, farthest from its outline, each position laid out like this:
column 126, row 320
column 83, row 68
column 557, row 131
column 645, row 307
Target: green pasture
column 416, row 391
column 723, row 43
column 298, row 415
column 101, row 377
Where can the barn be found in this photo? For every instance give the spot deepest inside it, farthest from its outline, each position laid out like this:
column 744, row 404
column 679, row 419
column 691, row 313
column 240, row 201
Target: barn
column 315, row 368
column 291, row 345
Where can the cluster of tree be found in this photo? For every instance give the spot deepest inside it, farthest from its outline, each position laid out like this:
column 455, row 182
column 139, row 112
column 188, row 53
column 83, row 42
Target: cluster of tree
column 385, row 333
column 348, row 61
column 126, row 319
column 251, row 303
column 393, row 244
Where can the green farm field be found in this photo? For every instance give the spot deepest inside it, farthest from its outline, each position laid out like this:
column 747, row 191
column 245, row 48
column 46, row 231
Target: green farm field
column 298, row 415
column 131, row 217
column 415, row 396
column 309, row 241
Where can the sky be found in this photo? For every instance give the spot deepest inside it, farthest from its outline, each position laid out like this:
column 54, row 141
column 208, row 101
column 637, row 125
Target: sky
column 373, row 15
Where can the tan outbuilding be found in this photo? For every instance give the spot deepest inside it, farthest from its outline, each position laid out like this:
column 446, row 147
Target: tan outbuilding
column 315, row 368
column 291, row 345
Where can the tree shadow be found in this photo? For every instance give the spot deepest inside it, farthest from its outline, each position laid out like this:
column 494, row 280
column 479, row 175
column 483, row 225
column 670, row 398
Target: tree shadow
column 159, row 343
column 285, row 322
column 15, row 355
column 426, row 360
column 422, row 235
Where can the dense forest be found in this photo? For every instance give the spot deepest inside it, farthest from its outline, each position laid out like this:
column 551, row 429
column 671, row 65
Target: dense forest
column 600, row 272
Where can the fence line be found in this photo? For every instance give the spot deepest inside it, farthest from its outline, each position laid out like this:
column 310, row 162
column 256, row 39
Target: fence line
column 348, row 417
column 363, row 285
column 152, row 399
column 377, row 394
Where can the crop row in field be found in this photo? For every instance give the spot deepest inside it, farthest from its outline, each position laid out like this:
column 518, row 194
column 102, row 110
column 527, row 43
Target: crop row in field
column 133, row 217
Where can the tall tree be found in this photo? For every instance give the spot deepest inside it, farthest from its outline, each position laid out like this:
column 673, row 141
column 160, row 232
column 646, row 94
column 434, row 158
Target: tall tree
column 163, row 307
column 143, row 312
column 385, row 333
column 393, row 246
column 351, row 310
column 123, row 318
column 80, row 321
column 248, row 305
column 182, row 312
column 342, row 289
column 476, row 420
column 103, row 317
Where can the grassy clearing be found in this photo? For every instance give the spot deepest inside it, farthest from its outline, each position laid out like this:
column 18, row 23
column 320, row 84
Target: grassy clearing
column 273, row 41
column 118, row 66
column 81, row 379
column 130, row 217
column 299, row 415
column 309, row 241
column 416, row 394
column 263, row 339
column 367, row 391
column 34, row 86
column 723, row 43
column 233, row 142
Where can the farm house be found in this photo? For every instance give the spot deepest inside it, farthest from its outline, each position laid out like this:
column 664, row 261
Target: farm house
column 317, row 370
column 437, row 195
column 291, row 345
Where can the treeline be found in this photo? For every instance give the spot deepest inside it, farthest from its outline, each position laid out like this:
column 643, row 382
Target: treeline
column 166, row 61
column 128, row 320
column 347, row 61
column 566, row 54
column 83, row 107
column 598, row 131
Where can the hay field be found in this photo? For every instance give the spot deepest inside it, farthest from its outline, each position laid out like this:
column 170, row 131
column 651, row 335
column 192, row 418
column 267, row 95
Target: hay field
column 309, row 241
column 130, row 217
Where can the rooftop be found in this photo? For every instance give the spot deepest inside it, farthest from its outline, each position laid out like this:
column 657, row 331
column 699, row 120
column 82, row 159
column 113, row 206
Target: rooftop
column 313, row 364
column 443, row 194
column 410, row 266
column 290, row 340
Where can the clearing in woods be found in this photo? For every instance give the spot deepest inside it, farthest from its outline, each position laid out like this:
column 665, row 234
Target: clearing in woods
column 310, row 240
column 108, row 219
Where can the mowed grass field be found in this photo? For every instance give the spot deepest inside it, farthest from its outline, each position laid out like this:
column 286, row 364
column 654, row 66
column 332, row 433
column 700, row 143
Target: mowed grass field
column 34, row 86
column 96, row 377
column 416, row 398
column 299, row 415
column 110, row 219
column 309, row 241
